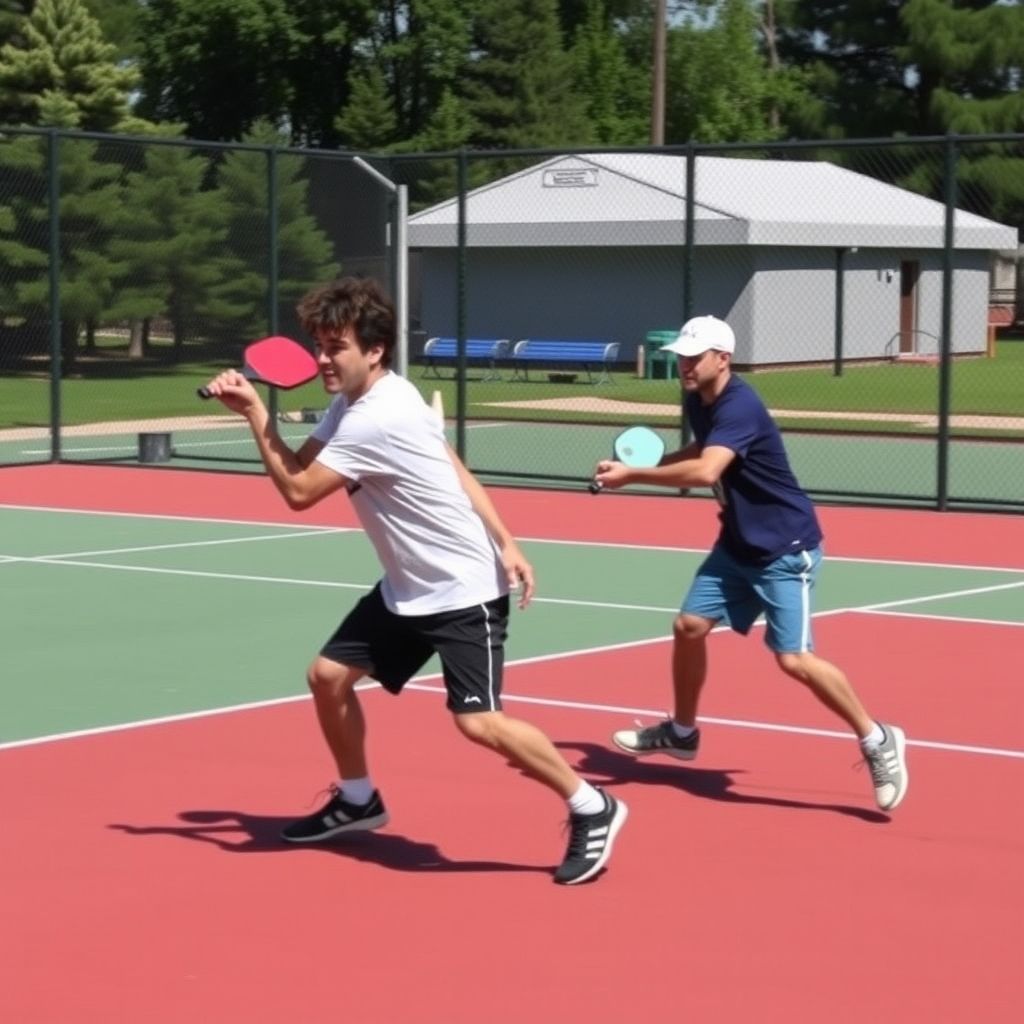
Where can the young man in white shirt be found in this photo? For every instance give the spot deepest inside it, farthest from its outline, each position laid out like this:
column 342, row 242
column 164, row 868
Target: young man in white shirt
column 449, row 564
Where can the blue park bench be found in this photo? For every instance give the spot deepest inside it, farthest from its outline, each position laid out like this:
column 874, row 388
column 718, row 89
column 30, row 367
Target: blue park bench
column 444, row 351
column 565, row 353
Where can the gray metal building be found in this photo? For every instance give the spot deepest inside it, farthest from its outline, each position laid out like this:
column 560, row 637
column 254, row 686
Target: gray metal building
column 592, row 246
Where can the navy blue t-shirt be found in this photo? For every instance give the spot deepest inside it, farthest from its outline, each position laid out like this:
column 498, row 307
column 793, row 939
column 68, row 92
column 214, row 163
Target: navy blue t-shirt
column 765, row 512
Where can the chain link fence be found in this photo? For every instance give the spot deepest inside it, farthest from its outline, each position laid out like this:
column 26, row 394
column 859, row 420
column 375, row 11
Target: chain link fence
column 132, row 270
column 872, row 286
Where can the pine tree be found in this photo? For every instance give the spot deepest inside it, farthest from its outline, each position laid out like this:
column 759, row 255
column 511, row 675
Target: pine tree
column 519, row 90
column 60, row 66
column 12, row 17
column 923, row 67
column 967, row 64
column 90, row 193
column 424, row 45
column 918, row 67
column 166, row 232
column 616, row 91
column 368, row 120
column 24, row 256
column 238, row 306
column 449, row 128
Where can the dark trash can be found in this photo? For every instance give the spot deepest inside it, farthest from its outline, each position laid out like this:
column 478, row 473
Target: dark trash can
column 154, row 447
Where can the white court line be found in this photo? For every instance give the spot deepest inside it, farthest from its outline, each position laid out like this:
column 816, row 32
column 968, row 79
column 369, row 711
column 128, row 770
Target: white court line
column 898, row 562
column 971, row 592
column 737, row 723
column 902, row 562
column 535, row 659
column 130, row 446
column 200, row 573
column 578, row 603
column 1018, row 570
column 943, row 618
column 303, row 531
column 64, row 562
column 167, row 547
column 177, row 518
column 426, row 687
column 878, row 608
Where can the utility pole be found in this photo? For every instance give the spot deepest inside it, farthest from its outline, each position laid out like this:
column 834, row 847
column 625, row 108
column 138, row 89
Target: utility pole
column 658, row 75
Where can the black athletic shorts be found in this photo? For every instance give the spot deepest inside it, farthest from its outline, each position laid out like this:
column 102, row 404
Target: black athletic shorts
column 393, row 648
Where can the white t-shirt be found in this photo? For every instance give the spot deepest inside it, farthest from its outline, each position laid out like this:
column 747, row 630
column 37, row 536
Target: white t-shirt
column 436, row 551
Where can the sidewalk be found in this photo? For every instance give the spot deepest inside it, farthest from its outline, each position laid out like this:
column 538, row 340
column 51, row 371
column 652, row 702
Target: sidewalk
column 611, row 405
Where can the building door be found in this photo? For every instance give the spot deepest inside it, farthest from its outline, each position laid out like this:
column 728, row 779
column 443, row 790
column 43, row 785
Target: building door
column 910, row 271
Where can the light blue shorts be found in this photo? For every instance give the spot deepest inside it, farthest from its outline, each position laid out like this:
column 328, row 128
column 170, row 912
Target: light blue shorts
column 734, row 594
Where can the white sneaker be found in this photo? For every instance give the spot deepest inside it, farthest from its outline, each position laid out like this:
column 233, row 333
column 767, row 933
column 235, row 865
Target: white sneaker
column 888, row 764
column 657, row 739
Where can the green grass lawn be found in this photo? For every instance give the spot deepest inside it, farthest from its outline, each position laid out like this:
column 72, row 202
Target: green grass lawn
column 980, row 386
column 113, row 388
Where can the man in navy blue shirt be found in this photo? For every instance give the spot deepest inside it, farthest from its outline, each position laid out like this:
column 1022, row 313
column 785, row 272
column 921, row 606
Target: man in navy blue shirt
column 765, row 560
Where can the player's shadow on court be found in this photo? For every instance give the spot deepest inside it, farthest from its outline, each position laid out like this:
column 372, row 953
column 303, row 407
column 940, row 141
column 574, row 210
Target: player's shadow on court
column 238, row 832
column 615, row 768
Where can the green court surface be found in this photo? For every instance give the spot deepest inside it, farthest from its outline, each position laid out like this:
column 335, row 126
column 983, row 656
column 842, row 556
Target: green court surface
column 877, row 466
column 110, row 619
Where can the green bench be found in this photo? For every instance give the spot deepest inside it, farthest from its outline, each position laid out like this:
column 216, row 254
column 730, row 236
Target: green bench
column 654, row 356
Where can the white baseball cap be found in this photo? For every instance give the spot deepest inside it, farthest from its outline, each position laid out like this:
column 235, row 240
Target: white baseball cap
column 700, row 334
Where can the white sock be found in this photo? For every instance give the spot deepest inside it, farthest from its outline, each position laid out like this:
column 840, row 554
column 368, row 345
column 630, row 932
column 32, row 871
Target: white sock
column 586, row 800
column 873, row 738
column 684, row 732
column 356, row 791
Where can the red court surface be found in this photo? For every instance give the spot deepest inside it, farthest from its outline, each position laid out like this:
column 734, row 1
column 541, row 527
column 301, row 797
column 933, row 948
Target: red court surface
column 971, row 538
column 945, row 681
column 144, row 881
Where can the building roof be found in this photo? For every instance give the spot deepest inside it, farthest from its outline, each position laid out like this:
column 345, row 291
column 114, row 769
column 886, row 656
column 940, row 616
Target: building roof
column 622, row 199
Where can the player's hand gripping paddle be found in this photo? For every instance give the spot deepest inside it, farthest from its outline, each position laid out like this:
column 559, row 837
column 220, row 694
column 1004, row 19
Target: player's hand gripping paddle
column 636, row 447
column 278, row 361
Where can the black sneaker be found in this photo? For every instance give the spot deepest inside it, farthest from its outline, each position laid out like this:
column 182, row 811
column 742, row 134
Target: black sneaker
column 590, row 841
column 337, row 816
column 658, row 739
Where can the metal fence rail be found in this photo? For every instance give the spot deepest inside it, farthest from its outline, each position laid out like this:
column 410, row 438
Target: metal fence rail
column 871, row 285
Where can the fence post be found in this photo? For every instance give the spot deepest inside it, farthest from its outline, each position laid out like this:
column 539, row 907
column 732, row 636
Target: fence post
column 398, row 228
column 400, row 270
column 56, row 365
column 460, row 309
column 688, row 251
column 945, row 332
column 837, row 364
column 272, row 264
